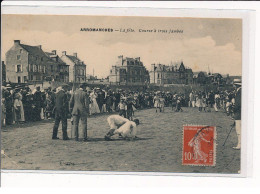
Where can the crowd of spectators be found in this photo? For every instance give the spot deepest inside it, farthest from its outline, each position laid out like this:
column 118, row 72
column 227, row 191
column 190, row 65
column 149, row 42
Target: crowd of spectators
column 21, row 104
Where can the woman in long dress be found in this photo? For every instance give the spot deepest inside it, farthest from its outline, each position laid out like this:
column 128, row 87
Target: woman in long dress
column 162, row 103
column 18, row 108
column 156, row 102
column 195, row 143
column 93, row 108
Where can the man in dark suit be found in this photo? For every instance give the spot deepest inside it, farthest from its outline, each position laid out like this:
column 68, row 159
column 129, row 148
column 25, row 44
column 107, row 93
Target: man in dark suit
column 61, row 112
column 38, row 102
column 79, row 107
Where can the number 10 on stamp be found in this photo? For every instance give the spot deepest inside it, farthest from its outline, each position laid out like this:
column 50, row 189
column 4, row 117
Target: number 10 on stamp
column 199, row 145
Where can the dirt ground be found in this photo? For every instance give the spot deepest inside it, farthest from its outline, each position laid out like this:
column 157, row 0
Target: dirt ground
column 158, row 149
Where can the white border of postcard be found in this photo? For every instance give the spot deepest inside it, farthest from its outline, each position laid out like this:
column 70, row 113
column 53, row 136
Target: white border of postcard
column 248, row 17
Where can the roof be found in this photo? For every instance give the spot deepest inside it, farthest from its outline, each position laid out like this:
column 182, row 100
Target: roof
column 75, row 60
column 236, row 77
column 51, row 55
column 34, row 50
column 174, row 67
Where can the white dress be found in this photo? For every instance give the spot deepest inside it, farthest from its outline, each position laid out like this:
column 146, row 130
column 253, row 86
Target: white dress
column 93, row 107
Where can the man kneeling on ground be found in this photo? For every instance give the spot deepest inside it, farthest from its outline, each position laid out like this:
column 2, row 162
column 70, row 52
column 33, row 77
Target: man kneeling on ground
column 122, row 126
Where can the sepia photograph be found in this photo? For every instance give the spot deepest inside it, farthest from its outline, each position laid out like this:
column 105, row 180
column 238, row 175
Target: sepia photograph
column 121, row 93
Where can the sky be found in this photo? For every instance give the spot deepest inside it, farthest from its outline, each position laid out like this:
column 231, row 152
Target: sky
column 205, row 43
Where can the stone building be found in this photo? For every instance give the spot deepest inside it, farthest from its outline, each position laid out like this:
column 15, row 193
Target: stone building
column 3, row 70
column 30, row 64
column 77, row 68
column 201, row 78
column 170, row 74
column 61, row 67
column 129, row 71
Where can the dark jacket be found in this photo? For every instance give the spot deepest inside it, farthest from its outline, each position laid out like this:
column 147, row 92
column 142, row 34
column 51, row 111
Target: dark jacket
column 79, row 103
column 61, row 102
column 237, row 106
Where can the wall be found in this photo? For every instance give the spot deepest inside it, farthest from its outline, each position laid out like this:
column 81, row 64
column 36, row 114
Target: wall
column 11, row 62
column 71, row 67
column 79, row 77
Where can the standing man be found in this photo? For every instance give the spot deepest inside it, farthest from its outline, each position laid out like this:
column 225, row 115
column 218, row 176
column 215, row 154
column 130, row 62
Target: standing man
column 79, row 107
column 61, row 112
column 8, row 104
column 37, row 98
column 237, row 113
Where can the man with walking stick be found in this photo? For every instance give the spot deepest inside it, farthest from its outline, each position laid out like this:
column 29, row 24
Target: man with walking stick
column 79, row 107
column 237, row 113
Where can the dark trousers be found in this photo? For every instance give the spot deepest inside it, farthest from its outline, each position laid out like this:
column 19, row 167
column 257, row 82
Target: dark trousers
column 9, row 116
column 83, row 119
column 63, row 118
column 122, row 113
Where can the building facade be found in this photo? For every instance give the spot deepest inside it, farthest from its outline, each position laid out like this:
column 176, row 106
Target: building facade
column 61, row 67
column 77, row 68
column 30, row 64
column 129, row 71
column 170, row 74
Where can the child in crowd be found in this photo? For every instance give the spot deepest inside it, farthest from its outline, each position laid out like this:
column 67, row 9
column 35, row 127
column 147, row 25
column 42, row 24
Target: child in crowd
column 122, row 107
column 178, row 105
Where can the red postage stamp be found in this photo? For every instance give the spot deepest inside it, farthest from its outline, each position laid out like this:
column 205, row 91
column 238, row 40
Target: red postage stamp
column 199, row 145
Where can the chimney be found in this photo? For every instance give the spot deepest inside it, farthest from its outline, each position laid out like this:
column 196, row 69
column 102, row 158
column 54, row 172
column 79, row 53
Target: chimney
column 75, row 54
column 138, row 59
column 63, row 52
column 120, row 59
column 53, row 52
column 17, row 42
column 39, row 46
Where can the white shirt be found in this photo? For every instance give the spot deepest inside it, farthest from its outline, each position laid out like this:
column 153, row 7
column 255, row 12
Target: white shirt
column 127, row 130
column 116, row 121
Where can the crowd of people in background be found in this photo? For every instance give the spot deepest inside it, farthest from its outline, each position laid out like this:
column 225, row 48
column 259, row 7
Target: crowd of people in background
column 21, row 104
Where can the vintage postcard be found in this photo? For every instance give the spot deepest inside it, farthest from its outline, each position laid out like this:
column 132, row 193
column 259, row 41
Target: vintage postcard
column 121, row 93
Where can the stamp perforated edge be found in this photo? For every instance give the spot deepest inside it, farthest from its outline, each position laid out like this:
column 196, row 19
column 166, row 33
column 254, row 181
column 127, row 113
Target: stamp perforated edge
column 214, row 145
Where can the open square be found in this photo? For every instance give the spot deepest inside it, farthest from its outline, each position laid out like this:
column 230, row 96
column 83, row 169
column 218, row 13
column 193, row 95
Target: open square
column 157, row 149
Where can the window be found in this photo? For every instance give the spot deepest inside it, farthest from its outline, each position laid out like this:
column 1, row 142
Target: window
column 21, row 50
column 38, row 77
column 19, row 79
column 41, row 58
column 18, row 57
column 31, row 67
column 25, row 78
column 31, row 77
column 18, row 68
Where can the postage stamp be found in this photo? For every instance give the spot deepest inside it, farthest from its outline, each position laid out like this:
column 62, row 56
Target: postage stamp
column 199, row 145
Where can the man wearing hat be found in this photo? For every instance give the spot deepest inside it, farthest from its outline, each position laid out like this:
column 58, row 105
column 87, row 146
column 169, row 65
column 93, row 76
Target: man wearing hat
column 8, row 104
column 237, row 112
column 79, row 107
column 61, row 112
